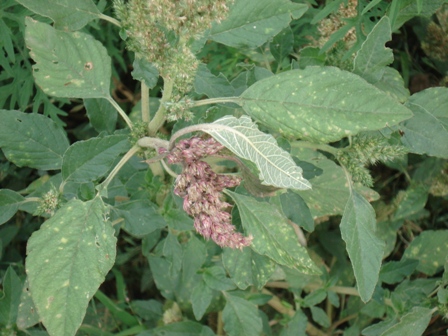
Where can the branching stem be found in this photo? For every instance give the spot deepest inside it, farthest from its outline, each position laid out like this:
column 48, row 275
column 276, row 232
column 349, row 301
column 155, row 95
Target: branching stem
column 121, row 112
column 160, row 116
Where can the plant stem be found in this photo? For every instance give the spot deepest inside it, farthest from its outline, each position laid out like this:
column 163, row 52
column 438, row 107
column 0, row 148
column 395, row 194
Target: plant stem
column 117, row 168
column 160, row 115
column 120, row 111
column 219, row 100
column 220, row 325
column 322, row 147
column 110, row 19
column 337, row 289
column 145, row 103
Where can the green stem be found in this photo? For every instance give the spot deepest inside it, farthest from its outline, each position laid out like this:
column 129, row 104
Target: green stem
column 160, row 115
column 110, row 19
column 117, row 168
column 219, row 100
column 120, row 111
column 145, row 103
column 322, row 147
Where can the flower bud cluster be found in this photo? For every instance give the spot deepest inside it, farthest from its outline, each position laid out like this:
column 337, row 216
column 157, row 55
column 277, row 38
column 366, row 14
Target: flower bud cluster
column 201, row 190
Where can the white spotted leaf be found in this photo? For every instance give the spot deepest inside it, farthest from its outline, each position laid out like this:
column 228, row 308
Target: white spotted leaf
column 243, row 138
column 321, row 104
column 72, row 65
column 67, row 260
column 272, row 235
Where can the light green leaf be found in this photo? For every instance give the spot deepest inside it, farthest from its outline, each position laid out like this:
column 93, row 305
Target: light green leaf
column 72, row 65
column 365, row 249
column 91, row 159
column 67, row 259
column 319, row 316
column 373, row 57
column 9, row 204
column 243, row 138
column 241, row 317
column 102, row 115
column 66, row 14
column 427, row 131
column 411, row 324
column 252, row 23
column 272, row 235
column 32, row 140
column 322, row 104
column 9, row 302
column 215, row 277
column 430, row 248
column 201, row 297
column 247, row 268
column 393, row 84
column 27, row 314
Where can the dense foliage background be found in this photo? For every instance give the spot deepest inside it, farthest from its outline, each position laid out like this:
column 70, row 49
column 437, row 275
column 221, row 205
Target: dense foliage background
column 385, row 274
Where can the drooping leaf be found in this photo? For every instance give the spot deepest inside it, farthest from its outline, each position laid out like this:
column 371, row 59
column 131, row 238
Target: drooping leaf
column 373, row 57
column 241, row 317
column 365, row 249
column 427, row 131
column 243, row 138
column 430, row 248
column 102, row 115
column 72, row 65
column 32, row 140
column 67, row 259
column 272, row 235
column 215, row 277
column 9, row 204
column 252, row 23
column 9, row 302
column 91, row 159
column 412, row 324
column 248, row 268
column 322, row 104
column 66, row 14
column 201, row 297
column 145, row 72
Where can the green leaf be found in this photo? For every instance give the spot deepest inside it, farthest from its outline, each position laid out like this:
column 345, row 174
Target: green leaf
column 373, row 57
column 252, row 23
column 310, row 56
column 67, row 259
column 411, row 324
column 282, row 44
column 411, row 201
column 393, row 84
column 395, row 271
column 212, row 86
column 66, row 14
column 115, row 310
column 9, row 204
column 427, row 131
column 186, row 328
column 32, row 140
column 102, row 115
column 408, row 9
column 91, row 159
column 241, row 317
column 243, row 138
column 201, row 297
column 322, row 104
column 272, row 234
column 145, row 71
column 365, row 249
column 319, row 316
column 372, row 4
column 297, row 325
column 430, row 248
column 215, row 277
column 141, row 217
column 296, row 210
column 72, row 65
column 9, row 303
column 27, row 315
column 247, row 268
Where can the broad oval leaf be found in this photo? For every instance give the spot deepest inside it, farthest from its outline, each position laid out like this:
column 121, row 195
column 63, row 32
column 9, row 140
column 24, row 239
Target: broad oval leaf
column 321, row 104
column 365, row 249
column 72, row 65
column 243, row 138
column 252, row 23
column 272, row 235
column 32, row 140
column 241, row 317
column 67, row 259
column 66, row 14
column 91, row 159
column 9, row 204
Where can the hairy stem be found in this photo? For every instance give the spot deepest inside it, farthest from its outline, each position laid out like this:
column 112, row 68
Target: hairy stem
column 145, row 103
column 120, row 111
column 160, row 115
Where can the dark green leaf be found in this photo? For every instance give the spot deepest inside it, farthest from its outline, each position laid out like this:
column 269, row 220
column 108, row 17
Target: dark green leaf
column 297, row 325
column 319, row 316
column 102, row 115
column 411, row 324
column 72, row 65
column 241, row 317
column 393, row 84
column 68, row 258
column 322, row 104
column 408, row 9
column 411, row 201
column 282, row 44
column 27, row 315
column 32, row 140
column 145, row 72
column 186, row 328
column 201, row 297
column 395, row 271
column 296, row 210
column 310, row 56
column 215, row 277
column 9, row 303
column 115, row 310
column 9, row 204
column 210, row 85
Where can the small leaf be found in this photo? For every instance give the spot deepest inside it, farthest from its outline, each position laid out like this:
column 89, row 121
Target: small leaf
column 102, row 115
column 243, row 138
column 9, row 302
column 241, row 317
column 430, row 248
column 321, row 104
column 252, row 23
column 201, row 297
column 395, row 271
column 145, row 72
column 72, row 65
column 215, row 277
column 365, row 249
column 272, row 235
column 319, row 316
column 9, row 204
column 32, row 140
column 67, row 259
column 66, row 14
column 91, row 159
column 411, row 324
column 427, row 131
